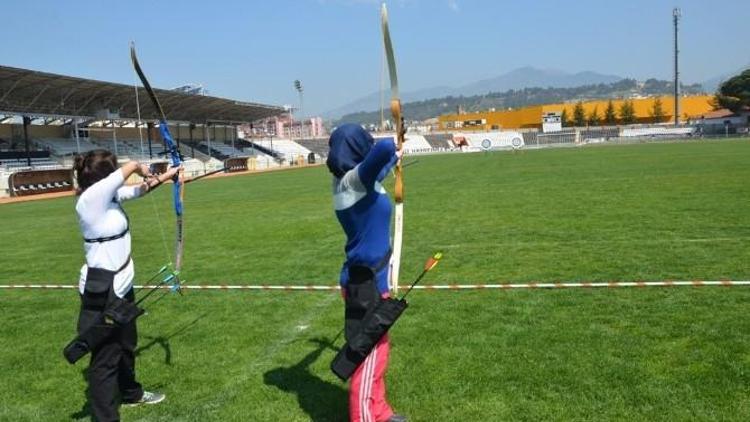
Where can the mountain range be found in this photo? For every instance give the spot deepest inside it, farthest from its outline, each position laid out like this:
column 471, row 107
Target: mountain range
column 712, row 85
column 524, row 77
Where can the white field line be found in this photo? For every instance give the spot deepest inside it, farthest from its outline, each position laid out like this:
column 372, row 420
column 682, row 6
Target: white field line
column 508, row 286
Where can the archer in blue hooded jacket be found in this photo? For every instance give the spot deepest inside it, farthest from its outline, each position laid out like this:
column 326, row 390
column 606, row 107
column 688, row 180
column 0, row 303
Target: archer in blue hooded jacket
column 362, row 206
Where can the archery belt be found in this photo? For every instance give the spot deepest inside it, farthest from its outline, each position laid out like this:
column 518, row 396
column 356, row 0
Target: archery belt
column 368, row 317
column 102, row 313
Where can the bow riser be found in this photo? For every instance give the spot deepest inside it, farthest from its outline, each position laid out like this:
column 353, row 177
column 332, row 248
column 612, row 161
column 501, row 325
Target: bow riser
column 399, row 119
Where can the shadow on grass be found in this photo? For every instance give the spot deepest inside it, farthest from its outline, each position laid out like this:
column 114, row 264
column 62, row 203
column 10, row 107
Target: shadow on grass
column 85, row 411
column 321, row 400
column 162, row 341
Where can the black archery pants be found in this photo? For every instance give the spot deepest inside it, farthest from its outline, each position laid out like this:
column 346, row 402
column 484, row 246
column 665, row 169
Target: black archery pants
column 112, row 367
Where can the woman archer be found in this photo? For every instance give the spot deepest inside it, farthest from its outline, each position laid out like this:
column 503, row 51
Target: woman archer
column 363, row 209
column 107, row 275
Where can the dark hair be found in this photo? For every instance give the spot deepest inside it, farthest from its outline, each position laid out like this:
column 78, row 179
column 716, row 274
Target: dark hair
column 93, row 166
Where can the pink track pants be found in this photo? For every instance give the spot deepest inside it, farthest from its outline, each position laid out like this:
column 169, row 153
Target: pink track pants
column 367, row 402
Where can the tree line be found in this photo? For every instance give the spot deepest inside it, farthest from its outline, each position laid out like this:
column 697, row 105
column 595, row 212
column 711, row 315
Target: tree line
column 734, row 93
column 624, row 114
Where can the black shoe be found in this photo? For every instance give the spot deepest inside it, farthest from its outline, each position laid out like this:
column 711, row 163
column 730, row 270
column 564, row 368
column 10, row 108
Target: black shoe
column 397, row 418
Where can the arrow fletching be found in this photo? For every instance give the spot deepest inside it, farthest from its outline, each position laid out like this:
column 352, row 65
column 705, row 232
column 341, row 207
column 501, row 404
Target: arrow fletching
column 430, row 264
column 433, row 261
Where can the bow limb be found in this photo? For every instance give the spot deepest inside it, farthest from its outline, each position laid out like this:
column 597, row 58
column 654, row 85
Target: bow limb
column 174, row 156
column 398, row 171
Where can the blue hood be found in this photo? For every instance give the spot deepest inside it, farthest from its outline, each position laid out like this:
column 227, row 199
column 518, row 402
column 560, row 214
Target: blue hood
column 349, row 145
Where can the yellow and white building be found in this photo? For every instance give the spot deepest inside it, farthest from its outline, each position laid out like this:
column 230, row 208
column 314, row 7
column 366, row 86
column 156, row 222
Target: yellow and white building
column 531, row 117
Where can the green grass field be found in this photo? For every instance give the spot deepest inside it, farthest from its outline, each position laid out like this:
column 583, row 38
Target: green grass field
column 639, row 212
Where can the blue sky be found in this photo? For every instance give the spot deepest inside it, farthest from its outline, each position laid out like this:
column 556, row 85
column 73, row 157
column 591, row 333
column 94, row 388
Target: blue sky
column 254, row 50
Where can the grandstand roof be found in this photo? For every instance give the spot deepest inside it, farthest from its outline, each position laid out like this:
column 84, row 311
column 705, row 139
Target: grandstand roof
column 33, row 93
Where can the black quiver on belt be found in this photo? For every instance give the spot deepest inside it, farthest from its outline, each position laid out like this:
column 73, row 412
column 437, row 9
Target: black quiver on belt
column 102, row 312
column 368, row 319
column 373, row 328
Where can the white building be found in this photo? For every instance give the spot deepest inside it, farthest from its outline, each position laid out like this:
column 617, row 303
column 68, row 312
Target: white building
column 288, row 127
column 723, row 117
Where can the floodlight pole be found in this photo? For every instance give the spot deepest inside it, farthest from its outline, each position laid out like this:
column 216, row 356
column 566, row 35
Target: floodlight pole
column 676, row 15
column 300, row 90
column 298, row 87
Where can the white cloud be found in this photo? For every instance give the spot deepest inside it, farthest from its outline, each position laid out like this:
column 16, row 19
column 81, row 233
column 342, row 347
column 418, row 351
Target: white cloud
column 453, row 5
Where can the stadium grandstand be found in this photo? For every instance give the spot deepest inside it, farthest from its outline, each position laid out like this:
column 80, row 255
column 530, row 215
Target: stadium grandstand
column 319, row 146
column 439, row 140
column 46, row 119
column 289, row 150
column 415, row 143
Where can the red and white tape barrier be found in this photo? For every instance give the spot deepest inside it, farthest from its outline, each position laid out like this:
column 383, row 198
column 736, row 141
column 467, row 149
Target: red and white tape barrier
column 566, row 285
